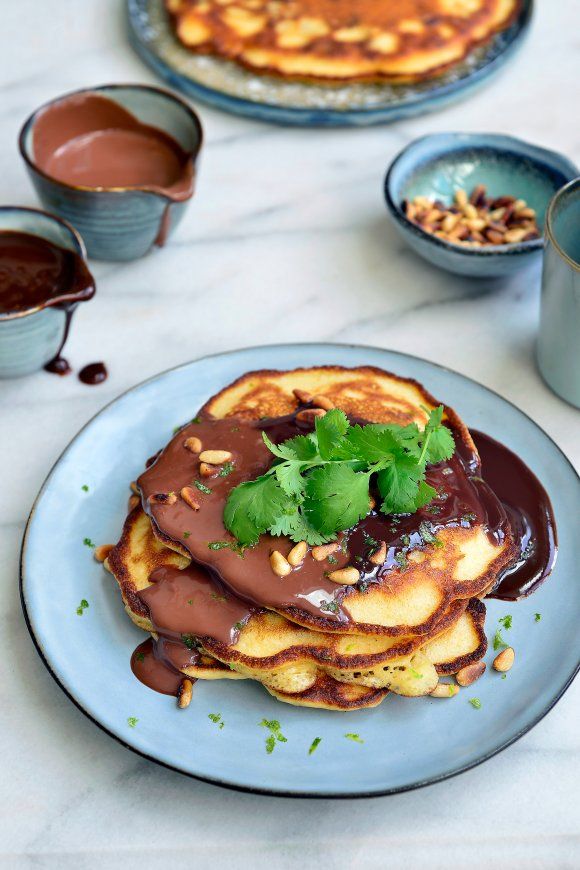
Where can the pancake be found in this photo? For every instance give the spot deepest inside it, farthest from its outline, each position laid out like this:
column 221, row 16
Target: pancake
column 393, row 600
column 341, row 40
column 286, row 658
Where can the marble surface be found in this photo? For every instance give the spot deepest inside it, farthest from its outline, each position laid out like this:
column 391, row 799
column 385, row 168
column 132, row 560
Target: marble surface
column 286, row 240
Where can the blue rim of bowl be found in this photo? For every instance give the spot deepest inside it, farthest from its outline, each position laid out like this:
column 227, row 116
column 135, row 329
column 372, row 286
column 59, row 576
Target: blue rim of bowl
column 107, row 87
column 277, row 113
column 550, row 229
column 468, row 139
column 77, row 239
column 226, row 783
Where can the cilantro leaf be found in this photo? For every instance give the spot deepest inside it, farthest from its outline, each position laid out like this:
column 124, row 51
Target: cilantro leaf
column 398, row 485
column 302, row 447
column 297, row 528
column 289, row 476
column 373, row 443
column 251, row 506
column 330, row 431
column 336, row 498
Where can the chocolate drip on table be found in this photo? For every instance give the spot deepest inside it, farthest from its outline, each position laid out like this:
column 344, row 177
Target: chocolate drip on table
column 94, row 373
column 37, row 274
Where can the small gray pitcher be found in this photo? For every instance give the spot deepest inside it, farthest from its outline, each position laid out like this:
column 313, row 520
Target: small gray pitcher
column 559, row 338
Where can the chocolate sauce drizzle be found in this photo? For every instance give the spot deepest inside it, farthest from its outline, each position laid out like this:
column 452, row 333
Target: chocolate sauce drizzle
column 219, row 591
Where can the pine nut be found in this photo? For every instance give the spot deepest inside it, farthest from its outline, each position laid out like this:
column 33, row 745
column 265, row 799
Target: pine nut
column 134, row 487
column 372, row 503
column 309, row 415
column 102, row 552
column 345, row 576
column 162, row 498
column 184, row 694
column 504, row 660
column 206, row 470
column 470, row 211
column 469, row 674
column 520, row 204
column 526, row 213
column 461, row 197
column 324, row 550
column 279, row 564
column 494, row 237
column 322, row 402
column 297, row 553
column 497, row 214
column 215, row 457
column 193, row 444
column 303, row 397
column 379, row 556
column 188, row 496
column 449, row 222
column 514, row 236
column 445, row 690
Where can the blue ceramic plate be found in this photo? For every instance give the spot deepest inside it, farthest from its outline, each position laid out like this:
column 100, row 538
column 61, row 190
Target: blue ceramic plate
column 407, row 742
column 228, row 86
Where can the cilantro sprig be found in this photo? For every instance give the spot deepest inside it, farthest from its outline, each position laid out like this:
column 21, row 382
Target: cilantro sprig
column 319, row 482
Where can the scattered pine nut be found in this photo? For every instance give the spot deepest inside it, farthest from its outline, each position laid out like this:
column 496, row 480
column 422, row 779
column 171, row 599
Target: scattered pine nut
column 322, row 402
column 297, row 553
column 162, row 498
column 324, row 550
column 215, row 457
column 134, row 487
column 189, row 497
column 184, row 694
column 279, row 564
column 345, row 576
column 100, row 553
column 207, row 470
column 303, row 397
column 445, row 690
column 309, row 415
column 504, row 660
column 134, row 500
column 470, row 673
column 193, row 444
column 379, row 556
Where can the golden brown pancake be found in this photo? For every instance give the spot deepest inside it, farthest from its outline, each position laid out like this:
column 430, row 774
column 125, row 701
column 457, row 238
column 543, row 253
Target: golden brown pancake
column 341, row 40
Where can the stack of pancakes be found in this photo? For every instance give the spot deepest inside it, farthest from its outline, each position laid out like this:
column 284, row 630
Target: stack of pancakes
column 398, row 631
column 341, row 40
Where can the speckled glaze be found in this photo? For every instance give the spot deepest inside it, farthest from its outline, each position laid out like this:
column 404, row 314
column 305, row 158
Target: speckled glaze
column 231, row 88
column 119, row 224
column 435, row 166
column 30, row 339
column 559, row 336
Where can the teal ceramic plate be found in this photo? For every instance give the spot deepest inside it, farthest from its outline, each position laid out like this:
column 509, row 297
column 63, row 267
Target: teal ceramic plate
column 407, row 742
column 228, row 86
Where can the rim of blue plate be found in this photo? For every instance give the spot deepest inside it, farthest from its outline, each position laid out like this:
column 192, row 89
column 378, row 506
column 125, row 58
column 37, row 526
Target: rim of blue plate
column 465, row 140
column 276, row 113
column 421, row 783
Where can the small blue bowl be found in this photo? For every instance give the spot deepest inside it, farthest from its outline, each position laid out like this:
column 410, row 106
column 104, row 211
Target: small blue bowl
column 120, row 223
column 30, row 339
column 436, row 166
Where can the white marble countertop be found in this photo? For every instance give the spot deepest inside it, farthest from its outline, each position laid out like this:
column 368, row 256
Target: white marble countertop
column 287, row 240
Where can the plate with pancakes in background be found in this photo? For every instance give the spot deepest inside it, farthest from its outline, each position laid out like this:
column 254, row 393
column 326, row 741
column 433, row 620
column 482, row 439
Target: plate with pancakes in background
column 323, row 63
column 338, row 568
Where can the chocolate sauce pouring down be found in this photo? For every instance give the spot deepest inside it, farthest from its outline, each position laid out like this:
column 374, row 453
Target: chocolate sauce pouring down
column 37, row 274
column 216, row 594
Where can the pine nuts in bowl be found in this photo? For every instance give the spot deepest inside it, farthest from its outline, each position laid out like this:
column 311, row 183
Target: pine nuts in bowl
column 474, row 203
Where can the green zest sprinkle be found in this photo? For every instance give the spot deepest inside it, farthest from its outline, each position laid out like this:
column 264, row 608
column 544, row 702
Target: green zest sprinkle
column 354, row 737
column 333, row 560
column 498, row 641
column 88, row 543
column 475, row 702
column 226, row 469
column 140, row 657
column 314, row 745
column 227, row 545
column 329, row 606
column 188, row 640
column 196, row 420
column 506, row 621
column 84, row 487
column 202, row 487
column 415, row 673
column 190, row 600
column 275, row 736
column 132, row 721
column 401, row 559
column 186, row 534
column 320, row 482
column 504, row 676
column 217, row 718
column 176, row 429
column 82, row 607
column 238, row 626
column 217, row 597
column 537, row 617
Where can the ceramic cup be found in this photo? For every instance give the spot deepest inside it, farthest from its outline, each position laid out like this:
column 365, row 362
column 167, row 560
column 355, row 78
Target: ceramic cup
column 120, row 223
column 559, row 338
column 29, row 339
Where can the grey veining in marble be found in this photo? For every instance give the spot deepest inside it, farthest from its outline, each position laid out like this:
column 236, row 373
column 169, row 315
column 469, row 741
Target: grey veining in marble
column 287, row 240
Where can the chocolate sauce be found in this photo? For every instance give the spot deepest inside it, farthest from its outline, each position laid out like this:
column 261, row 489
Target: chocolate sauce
column 156, row 664
column 464, row 500
column 94, row 373
column 530, row 515
column 88, row 140
column 35, row 274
